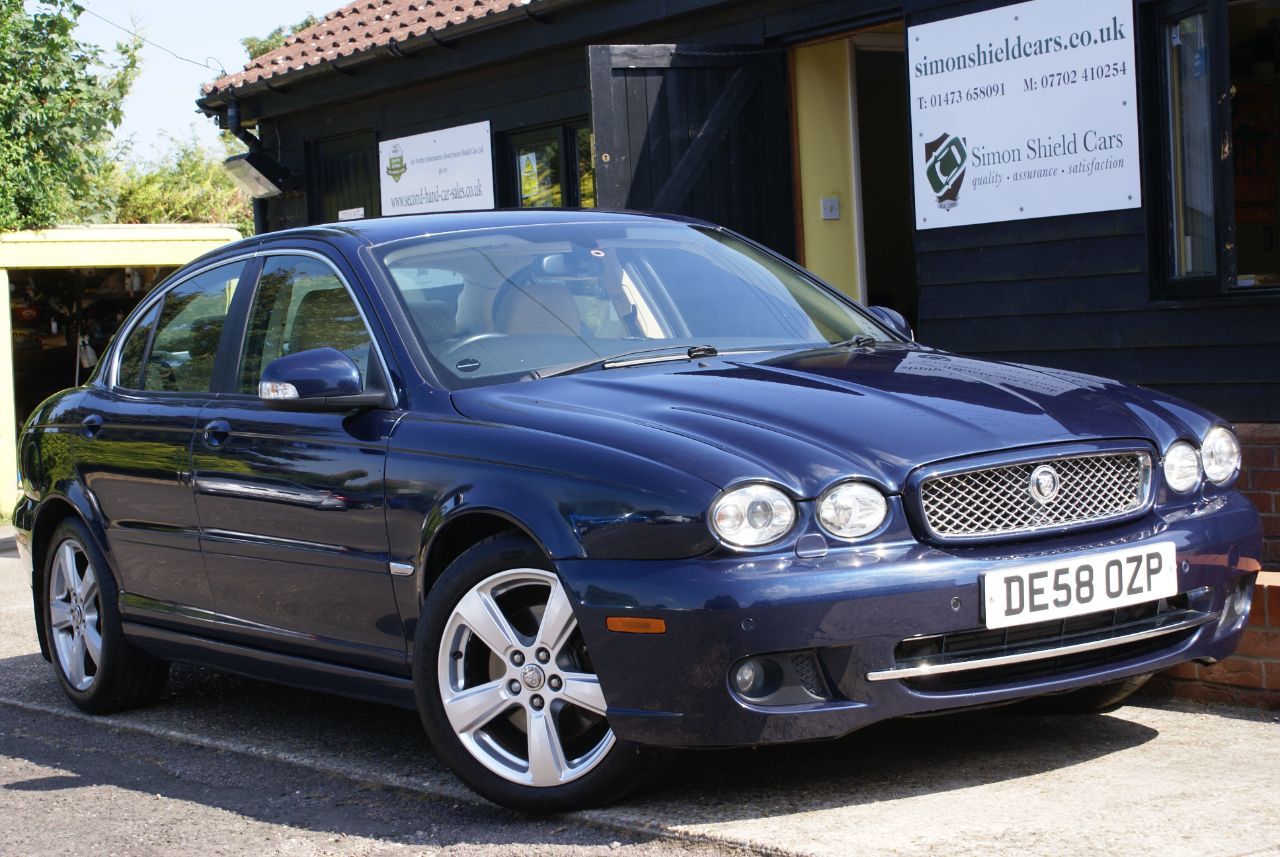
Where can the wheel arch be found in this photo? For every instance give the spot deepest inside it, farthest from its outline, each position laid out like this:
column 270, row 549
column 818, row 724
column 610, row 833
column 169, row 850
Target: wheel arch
column 53, row 510
column 453, row 536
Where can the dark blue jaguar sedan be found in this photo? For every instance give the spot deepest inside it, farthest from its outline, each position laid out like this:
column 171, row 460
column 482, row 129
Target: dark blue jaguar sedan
column 581, row 487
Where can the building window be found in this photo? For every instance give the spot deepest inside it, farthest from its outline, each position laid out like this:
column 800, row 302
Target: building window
column 552, row 167
column 1215, row 194
column 538, row 173
column 1254, row 34
column 1191, row 155
column 585, row 143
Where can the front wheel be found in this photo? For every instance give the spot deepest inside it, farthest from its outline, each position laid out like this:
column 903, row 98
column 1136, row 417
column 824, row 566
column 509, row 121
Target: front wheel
column 1098, row 699
column 507, row 690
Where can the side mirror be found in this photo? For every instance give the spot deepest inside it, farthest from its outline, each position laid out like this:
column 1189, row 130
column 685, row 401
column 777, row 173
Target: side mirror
column 320, row 379
column 894, row 319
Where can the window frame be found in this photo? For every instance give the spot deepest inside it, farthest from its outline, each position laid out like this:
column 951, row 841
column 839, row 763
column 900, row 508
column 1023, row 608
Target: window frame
column 1159, row 155
column 155, row 300
column 565, row 132
column 226, row 374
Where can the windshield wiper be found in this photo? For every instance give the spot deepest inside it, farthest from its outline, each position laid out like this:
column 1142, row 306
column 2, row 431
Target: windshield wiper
column 627, row 358
column 862, row 340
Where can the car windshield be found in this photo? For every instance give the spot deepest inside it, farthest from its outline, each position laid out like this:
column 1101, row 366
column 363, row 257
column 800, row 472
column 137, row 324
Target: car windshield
column 493, row 305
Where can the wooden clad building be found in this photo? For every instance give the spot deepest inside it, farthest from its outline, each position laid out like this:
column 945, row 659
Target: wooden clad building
column 792, row 122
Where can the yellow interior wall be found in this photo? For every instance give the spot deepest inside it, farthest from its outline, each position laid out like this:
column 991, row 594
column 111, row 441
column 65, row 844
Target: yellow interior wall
column 825, row 153
column 8, row 431
column 107, row 246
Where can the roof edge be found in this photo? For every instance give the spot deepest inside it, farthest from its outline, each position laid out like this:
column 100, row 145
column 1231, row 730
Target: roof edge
column 214, row 96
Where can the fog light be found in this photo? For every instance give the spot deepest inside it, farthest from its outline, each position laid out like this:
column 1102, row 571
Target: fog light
column 748, row 677
column 1242, row 598
column 1239, row 601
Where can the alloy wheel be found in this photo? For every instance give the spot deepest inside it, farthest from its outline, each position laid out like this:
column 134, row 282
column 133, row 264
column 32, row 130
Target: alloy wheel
column 517, row 684
column 75, row 614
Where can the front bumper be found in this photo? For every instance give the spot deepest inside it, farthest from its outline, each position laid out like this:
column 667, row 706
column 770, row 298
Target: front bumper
column 853, row 607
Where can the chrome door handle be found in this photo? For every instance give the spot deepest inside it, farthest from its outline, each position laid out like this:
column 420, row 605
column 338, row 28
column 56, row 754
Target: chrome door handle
column 90, row 426
column 216, row 434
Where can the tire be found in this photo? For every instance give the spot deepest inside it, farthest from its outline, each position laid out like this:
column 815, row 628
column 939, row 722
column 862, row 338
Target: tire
column 99, row 670
column 482, row 644
column 1098, row 699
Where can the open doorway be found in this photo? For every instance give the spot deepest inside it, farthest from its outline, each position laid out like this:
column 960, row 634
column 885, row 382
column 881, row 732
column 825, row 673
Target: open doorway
column 62, row 319
column 879, row 68
column 853, row 165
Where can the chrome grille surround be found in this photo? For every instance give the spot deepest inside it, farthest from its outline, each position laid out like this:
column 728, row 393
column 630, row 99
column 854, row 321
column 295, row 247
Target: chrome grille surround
column 993, row 501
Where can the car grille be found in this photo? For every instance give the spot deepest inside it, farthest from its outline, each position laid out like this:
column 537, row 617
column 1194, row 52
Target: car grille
column 995, row 502
column 1043, row 639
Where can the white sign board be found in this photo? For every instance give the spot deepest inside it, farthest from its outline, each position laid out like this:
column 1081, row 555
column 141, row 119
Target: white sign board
column 446, row 170
column 1025, row 111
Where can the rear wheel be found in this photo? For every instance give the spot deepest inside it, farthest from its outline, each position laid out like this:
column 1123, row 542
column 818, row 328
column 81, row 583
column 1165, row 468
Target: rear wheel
column 1098, row 699
column 507, row 690
column 100, row 671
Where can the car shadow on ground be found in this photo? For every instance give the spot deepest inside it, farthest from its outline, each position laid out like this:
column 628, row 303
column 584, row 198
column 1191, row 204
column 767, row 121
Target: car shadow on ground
column 889, row 761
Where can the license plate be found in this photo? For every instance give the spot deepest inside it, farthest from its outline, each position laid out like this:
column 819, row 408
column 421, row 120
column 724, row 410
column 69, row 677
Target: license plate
column 1058, row 588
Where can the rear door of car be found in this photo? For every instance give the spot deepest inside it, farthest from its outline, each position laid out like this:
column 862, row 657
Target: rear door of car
column 135, row 445
column 291, row 504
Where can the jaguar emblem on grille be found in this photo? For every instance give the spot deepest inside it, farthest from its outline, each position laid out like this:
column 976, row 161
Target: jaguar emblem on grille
column 1044, row 484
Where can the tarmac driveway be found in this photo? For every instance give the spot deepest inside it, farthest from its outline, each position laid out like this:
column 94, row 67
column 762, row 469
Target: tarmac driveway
column 1166, row 778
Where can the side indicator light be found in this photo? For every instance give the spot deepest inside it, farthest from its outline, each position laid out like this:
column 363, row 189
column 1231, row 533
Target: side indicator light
column 636, row 625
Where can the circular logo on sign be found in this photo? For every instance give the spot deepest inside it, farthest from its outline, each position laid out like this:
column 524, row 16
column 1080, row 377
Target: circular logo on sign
column 1044, row 484
column 532, row 676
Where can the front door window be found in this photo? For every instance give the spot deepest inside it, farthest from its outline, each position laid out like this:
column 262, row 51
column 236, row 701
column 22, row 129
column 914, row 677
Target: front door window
column 301, row 304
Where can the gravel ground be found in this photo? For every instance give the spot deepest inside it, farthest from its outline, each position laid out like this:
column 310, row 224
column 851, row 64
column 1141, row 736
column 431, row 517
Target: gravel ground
column 227, row 765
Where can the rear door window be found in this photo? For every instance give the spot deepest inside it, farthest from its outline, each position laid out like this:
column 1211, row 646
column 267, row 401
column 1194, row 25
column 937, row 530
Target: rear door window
column 133, row 353
column 185, row 345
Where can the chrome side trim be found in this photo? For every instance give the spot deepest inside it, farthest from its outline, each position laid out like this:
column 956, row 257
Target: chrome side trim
column 291, row 495
column 401, row 569
column 1041, row 654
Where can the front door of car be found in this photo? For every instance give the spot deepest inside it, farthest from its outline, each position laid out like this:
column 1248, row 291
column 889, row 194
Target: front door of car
column 291, row 504
column 135, row 445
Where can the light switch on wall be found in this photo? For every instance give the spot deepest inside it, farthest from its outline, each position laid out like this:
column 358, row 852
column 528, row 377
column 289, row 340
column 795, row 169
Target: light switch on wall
column 831, row 208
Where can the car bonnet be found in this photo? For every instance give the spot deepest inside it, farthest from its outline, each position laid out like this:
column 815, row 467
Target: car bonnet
column 808, row 419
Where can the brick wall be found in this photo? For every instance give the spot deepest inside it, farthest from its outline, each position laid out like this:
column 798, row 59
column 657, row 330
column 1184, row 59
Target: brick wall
column 1252, row 676
column 1260, row 481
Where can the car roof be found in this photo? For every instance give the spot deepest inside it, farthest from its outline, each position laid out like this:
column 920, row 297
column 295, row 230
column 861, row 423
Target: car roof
column 382, row 229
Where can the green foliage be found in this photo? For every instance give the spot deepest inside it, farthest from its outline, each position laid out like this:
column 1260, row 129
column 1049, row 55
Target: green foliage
column 256, row 47
column 60, row 101
column 186, row 184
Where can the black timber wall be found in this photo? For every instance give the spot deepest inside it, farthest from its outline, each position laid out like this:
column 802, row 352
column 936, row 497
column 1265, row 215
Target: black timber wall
column 1071, row 292
column 1078, row 293
column 523, row 75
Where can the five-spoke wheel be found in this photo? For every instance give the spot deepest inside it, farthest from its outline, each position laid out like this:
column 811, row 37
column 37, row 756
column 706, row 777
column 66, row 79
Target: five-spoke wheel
column 507, row 689
column 517, row 684
column 100, row 670
column 75, row 614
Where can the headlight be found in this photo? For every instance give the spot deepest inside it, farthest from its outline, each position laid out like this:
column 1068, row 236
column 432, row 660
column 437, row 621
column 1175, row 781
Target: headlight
column 851, row 509
column 1182, row 467
column 1220, row 453
column 752, row 515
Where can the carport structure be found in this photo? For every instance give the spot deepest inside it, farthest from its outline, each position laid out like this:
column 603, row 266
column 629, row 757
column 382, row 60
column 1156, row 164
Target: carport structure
column 50, row 276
